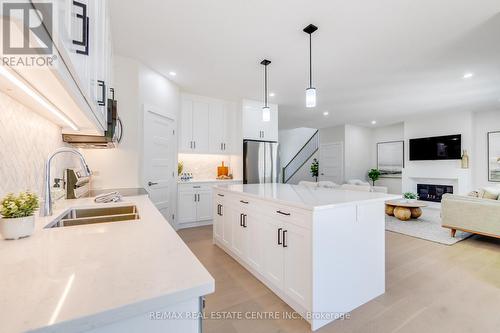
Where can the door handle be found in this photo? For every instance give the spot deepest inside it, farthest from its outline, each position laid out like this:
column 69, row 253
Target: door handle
column 152, row 183
column 85, row 29
column 284, row 238
column 102, row 84
column 279, row 235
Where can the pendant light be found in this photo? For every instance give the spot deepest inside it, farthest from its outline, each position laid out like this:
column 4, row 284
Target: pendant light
column 311, row 91
column 266, row 111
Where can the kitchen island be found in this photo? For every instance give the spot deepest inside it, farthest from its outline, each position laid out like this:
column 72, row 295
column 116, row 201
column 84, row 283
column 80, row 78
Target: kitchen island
column 322, row 251
column 125, row 276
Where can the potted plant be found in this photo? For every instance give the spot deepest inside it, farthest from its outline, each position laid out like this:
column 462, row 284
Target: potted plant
column 17, row 219
column 374, row 175
column 410, row 196
column 315, row 169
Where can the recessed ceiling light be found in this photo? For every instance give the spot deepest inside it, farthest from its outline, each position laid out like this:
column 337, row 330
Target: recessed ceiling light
column 374, row 122
column 326, row 113
column 272, row 94
column 468, row 75
column 172, row 73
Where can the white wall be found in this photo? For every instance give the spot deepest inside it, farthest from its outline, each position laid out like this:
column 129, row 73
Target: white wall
column 394, row 132
column 135, row 85
column 484, row 122
column 357, row 152
column 291, row 140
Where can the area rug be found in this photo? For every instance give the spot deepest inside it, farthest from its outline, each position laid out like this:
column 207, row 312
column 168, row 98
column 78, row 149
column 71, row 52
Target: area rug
column 427, row 227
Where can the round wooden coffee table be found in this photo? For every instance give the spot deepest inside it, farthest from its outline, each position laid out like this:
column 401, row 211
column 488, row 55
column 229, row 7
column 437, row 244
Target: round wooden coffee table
column 404, row 210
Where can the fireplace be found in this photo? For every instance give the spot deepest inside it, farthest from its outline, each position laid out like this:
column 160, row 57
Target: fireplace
column 431, row 192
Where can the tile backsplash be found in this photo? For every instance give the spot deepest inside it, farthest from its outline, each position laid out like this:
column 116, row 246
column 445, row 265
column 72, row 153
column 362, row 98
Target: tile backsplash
column 204, row 166
column 26, row 139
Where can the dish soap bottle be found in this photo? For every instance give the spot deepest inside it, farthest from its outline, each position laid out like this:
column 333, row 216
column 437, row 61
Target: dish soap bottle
column 465, row 160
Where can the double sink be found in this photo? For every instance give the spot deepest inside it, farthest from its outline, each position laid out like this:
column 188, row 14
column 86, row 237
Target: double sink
column 82, row 216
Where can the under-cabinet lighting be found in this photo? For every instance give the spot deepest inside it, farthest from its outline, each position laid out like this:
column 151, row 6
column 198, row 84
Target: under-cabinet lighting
column 37, row 97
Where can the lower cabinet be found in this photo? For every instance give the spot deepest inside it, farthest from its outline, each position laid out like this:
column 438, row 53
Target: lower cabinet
column 278, row 251
column 194, row 205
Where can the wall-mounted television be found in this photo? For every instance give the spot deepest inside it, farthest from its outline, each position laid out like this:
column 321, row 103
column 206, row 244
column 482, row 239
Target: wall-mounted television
column 447, row 147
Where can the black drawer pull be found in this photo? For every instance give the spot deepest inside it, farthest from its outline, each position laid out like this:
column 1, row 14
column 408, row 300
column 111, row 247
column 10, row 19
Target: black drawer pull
column 102, row 84
column 85, row 28
column 220, row 195
column 284, row 238
column 283, row 213
column 244, row 220
column 244, row 202
column 196, row 186
column 279, row 235
column 241, row 220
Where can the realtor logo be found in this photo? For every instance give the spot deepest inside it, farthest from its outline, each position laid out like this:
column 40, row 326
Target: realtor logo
column 27, row 28
column 26, row 33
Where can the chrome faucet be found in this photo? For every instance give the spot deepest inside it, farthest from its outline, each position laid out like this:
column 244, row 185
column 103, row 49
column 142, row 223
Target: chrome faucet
column 47, row 195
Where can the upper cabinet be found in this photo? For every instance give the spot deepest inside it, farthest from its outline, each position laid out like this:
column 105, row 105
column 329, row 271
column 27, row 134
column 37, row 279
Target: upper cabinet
column 253, row 126
column 82, row 40
column 206, row 125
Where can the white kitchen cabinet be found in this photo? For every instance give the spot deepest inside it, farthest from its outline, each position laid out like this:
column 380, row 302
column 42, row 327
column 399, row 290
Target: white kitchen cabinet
column 206, row 125
column 297, row 256
column 194, row 204
column 186, row 212
column 272, row 244
column 82, row 38
column 253, row 126
column 220, row 127
column 254, row 252
column 239, row 235
column 204, row 205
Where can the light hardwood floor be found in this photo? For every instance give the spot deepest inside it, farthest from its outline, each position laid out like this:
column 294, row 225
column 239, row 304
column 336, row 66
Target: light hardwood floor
column 429, row 288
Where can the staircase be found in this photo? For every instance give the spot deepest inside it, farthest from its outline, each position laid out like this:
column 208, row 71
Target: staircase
column 303, row 155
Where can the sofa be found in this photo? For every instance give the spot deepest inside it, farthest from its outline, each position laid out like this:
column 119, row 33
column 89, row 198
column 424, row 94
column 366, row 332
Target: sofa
column 471, row 214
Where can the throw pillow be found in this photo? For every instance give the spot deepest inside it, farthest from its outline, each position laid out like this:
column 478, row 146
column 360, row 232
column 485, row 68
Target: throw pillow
column 474, row 194
column 491, row 193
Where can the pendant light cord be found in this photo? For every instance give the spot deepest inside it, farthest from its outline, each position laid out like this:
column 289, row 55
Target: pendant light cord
column 310, row 61
column 265, row 84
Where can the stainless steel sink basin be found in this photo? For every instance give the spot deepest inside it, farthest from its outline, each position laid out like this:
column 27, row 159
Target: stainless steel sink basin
column 80, row 216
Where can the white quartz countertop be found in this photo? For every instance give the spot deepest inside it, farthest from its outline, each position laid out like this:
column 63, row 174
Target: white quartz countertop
column 209, row 180
column 74, row 278
column 306, row 197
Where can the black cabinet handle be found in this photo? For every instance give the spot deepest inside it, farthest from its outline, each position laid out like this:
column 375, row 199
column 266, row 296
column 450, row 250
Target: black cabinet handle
column 194, row 144
column 195, row 198
column 283, row 213
column 279, row 235
column 284, row 238
column 241, row 220
column 244, row 202
column 218, row 210
column 102, row 84
column 221, row 211
column 244, row 220
column 197, row 186
column 220, row 195
column 152, row 183
column 85, row 29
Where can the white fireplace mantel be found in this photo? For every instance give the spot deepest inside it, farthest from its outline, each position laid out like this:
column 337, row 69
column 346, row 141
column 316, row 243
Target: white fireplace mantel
column 459, row 178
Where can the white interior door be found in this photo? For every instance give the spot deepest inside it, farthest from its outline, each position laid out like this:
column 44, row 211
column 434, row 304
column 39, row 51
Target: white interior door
column 331, row 162
column 159, row 160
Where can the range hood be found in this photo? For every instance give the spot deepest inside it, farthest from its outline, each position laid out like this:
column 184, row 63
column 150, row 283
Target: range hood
column 111, row 138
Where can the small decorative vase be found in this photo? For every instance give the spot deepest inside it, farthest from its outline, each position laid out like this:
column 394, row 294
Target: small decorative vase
column 16, row 228
column 465, row 160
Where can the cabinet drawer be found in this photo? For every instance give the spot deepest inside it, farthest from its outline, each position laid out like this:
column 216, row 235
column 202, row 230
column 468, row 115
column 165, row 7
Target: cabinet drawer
column 195, row 187
column 286, row 214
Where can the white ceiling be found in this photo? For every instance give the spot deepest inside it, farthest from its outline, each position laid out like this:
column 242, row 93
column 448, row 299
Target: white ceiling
column 372, row 59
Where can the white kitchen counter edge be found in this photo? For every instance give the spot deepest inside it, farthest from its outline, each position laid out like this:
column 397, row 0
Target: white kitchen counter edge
column 318, row 207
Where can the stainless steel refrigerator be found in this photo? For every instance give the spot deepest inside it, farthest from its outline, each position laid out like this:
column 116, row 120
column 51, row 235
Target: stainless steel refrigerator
column 260, row 162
